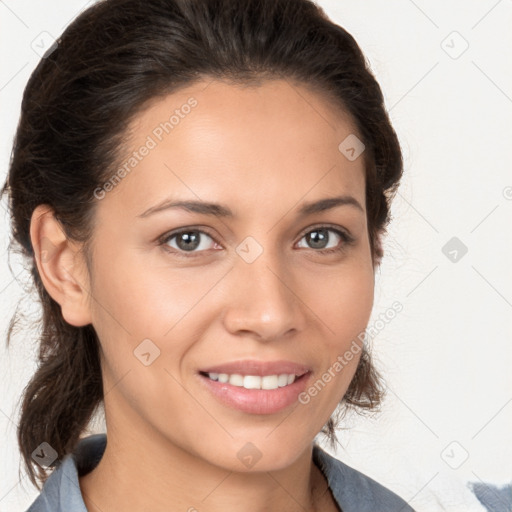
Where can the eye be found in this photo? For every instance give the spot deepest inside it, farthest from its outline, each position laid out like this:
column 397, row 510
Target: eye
column 188, row 241
column 319, row 238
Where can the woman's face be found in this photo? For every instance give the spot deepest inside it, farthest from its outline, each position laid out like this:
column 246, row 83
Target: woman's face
column 252, row 287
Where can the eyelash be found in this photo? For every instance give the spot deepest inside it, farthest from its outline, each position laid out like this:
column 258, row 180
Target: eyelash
column 164, row 239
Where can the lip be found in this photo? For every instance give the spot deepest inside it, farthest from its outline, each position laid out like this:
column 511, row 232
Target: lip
column 258, row 368
column 257, row 401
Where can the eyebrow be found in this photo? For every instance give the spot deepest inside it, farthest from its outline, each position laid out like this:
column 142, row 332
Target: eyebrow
column 219, row 210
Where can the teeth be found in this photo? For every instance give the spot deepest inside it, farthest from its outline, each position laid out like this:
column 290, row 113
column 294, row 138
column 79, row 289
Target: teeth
column 251, row 382
column 282, row 380
column 236, row 380
column 270, row 382
column 255, row 381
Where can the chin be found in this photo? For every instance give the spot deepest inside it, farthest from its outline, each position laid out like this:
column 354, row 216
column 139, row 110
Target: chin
column 258, row 452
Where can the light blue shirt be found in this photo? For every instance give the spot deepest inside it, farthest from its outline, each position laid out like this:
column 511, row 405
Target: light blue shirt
column 352, row 490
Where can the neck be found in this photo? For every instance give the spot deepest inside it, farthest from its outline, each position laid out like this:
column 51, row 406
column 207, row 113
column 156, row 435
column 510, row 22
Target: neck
column 141, row 470
column 145, row 478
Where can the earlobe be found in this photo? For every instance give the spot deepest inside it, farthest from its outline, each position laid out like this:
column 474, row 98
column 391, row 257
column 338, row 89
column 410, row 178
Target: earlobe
column 60, row 266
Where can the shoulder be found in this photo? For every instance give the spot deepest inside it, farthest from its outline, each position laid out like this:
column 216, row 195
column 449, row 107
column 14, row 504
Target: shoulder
column 353, row 490
column 61, row 491
column 492, row 497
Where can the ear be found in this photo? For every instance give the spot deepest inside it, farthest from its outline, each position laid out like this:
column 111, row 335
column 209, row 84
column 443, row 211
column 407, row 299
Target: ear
column 61, row 266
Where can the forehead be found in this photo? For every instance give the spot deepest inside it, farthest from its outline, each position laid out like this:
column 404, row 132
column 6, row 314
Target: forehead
column 253, row 145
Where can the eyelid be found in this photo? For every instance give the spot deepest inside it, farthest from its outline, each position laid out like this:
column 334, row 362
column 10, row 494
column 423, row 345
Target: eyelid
column 344, row 233
column 334, row 227
column 171, row 234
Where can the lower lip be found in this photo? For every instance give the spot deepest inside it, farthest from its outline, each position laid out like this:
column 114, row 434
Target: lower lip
column 257, row 401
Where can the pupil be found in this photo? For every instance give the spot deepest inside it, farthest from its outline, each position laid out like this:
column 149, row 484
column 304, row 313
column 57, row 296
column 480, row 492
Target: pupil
column 318, row 238
column 191, row 240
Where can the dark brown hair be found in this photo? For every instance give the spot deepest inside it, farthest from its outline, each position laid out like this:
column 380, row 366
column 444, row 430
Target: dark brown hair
column 112, row 60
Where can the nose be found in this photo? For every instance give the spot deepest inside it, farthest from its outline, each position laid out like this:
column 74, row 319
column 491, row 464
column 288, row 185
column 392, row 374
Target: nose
column 263, row 302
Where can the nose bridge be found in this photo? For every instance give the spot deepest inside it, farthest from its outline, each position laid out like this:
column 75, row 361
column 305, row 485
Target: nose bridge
column 263, row 301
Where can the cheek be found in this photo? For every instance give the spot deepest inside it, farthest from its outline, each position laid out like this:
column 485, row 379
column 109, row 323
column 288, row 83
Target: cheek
column 140, row 316
column 143, row 307
column 343, row 300
column 344, row 311
column 144, row 297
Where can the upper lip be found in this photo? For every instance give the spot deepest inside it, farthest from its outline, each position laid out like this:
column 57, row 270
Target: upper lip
column 259, row 368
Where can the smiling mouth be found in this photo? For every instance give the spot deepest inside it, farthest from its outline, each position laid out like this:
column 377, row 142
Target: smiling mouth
column 266, row 382
column 256, row 387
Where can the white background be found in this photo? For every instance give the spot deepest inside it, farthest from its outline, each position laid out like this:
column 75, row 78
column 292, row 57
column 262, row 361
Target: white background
column 447, row 356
